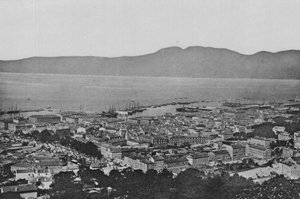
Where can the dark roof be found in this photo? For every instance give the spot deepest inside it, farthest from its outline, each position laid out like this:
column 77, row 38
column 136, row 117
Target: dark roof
column 5, row 162
column 25, row 170
column 221, row 152
column 45, row 116
column 20, row 188
column 200, row 155
column 50, row 163
column 158, row 158
column 174, row 160
column 237, row 146
column 296, row 159
column 255, row 146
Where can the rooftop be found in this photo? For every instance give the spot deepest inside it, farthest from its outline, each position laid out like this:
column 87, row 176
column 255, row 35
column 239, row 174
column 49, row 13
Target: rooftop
column 255, row 146
column 45, row 116
column 20, row 188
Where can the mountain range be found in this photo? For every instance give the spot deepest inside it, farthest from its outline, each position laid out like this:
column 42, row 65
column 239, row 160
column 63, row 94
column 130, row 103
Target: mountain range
column 171, row 62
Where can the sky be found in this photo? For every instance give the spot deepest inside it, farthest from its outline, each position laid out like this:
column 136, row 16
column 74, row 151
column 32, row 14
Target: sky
column 114, row 28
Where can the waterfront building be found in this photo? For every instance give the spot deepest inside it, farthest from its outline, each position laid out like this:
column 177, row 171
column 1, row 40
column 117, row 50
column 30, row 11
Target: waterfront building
column 51, row 119
column 19, row 126
column 73, row 119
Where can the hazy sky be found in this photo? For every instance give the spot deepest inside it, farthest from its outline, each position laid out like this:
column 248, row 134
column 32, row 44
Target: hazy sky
column 133, row 27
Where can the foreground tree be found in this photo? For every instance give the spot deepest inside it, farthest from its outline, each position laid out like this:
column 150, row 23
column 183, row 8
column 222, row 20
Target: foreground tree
column 10, row 195
column 276, row 188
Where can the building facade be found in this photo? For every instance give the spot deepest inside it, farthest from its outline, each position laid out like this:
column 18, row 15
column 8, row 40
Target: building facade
column 180, row 140
column 198, row 160
column 259, row 152
column 236, row 152
column 297, row 140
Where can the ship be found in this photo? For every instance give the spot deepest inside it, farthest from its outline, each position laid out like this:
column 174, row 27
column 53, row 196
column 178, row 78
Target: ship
column 232, row 104
column 187, row 109
column 111, row 113
column 134, row 107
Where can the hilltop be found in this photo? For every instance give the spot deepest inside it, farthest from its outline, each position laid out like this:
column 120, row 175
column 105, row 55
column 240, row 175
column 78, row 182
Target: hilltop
column 173, row 61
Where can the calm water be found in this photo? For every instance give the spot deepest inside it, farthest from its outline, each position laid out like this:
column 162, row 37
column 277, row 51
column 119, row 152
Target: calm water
column 98, row 93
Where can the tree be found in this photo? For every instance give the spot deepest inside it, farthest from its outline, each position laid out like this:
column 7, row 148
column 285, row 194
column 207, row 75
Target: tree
column 189, row 183
column 45, row 136
column 35, row 134
column 65, row 187
column 63, row 181
column 25, row 143
column 10, row 195
column 93, row 177
column 186, row 144
column 213, row 188
column 264, row 130
column 277, row 188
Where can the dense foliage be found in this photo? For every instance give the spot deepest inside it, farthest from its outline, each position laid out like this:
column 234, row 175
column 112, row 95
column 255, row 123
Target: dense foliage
column 264, row 130
column 291, row 126
column 134, row 184
column 88, row 148
column 46, row 136
column 277, row 188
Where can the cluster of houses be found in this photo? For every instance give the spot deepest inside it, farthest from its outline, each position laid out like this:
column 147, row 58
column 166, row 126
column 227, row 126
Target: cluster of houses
column 204, row 140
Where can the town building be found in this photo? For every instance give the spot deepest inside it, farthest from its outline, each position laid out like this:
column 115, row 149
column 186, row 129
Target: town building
column 197, row 160
column 73, row 120
column 26, row 191
column 19, row 126
column 181, row 140
column 219, row 156
column 176, row 164
column 284, row 136
column 265, row 142
column 159, row 163
column 109, row 151
column 288, row 168
column 159, row 141
column 4, row 124
column 297, row 140
column 139, row 163
column 227, row 133
column 236, row 151
column 5, row 167
column 63, row 133
column 258, row 152
column 24, row 174
column 287, row 152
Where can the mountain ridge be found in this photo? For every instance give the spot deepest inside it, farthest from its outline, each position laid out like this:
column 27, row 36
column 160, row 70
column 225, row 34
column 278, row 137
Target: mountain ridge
column 193, row 61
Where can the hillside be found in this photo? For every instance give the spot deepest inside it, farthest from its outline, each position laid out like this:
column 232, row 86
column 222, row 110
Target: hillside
column 173, row 61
